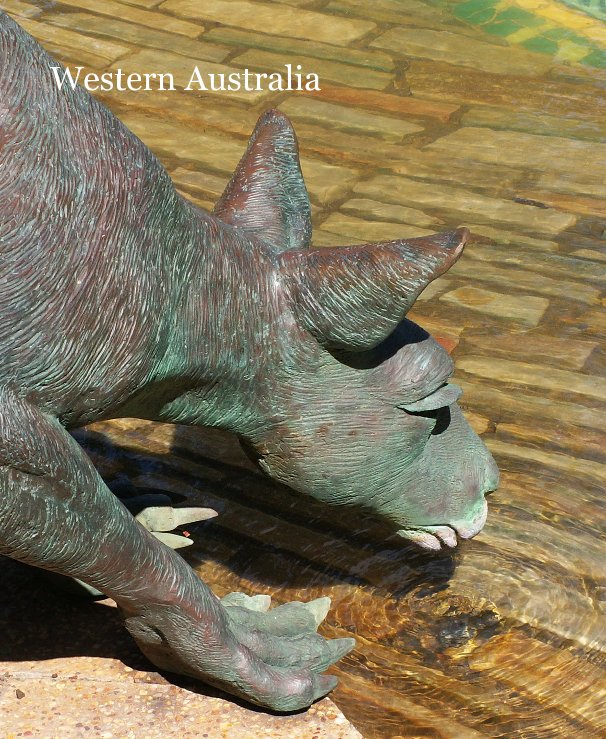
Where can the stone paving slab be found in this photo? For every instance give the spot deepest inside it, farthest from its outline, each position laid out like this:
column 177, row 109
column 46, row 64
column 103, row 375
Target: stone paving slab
column 535, row 123
column 467, row 203
column 331, row 71
column 360, row 230
column 273, row 18
column 185, row 142
column 182, row 68
column 490, row 271
column 456, row 49
column 567, row 202
column 288, row 45
column 448, row 83
column 486, row 396
column 563, row 463
column 525, row 309
column 347, row 119
column 566, row 352
column 327, row 182
column 122, row 31
column 526, row 373
column 21, row 9
column 231, row 118
column 590, row 254
column 581, row 182
column 483, row 233
column 89, row 50
column 405, row 107
column 544, row 153
column 150, row 19
column 376, row 211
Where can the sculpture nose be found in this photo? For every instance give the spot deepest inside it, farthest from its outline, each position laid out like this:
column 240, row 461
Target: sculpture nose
column 466, row 528
column 470, row 526
column 491, row 476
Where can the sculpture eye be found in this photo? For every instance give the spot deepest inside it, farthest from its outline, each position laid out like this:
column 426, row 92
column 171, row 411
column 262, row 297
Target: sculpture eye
column 440, row 417
column 441, row 398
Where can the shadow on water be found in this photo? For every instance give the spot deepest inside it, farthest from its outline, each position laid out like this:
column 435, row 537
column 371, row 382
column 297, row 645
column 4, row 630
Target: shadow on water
column 265, row 539
column 262, row 521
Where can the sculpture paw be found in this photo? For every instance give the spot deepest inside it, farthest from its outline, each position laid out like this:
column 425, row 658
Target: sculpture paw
column 273, row 658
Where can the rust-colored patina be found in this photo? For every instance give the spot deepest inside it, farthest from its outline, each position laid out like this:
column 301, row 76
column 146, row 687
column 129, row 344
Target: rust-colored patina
column 121, row 298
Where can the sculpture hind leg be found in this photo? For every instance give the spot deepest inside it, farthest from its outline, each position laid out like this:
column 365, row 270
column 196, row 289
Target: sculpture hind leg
column 57, row 513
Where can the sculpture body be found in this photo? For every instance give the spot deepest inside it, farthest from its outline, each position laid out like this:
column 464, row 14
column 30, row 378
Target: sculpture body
column 120, row 298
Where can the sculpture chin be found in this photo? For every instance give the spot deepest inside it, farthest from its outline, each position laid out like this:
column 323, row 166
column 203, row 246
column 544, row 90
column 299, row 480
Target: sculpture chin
column 447, row 536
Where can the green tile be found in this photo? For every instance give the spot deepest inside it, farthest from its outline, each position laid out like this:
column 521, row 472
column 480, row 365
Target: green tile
column 476, row 11
column 558, row 34
column 567, row 36
column 542, row 44
column 597, row 58
column 521, row 17
column 471, row 6
column 501, row 28
column 561, row 34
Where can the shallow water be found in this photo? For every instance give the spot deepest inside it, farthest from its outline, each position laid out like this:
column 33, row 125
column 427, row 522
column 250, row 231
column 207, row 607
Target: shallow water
column 432, row 115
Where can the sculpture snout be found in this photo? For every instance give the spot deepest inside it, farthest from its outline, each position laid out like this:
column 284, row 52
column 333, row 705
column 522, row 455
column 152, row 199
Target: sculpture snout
column 449, row 535
column 469, row 527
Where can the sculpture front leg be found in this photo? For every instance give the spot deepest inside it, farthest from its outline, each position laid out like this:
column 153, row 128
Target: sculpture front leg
column 57, row 513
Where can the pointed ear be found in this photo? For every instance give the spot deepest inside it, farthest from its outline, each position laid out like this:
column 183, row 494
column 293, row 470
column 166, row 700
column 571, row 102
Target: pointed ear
column 351, row 298
column 266, row 193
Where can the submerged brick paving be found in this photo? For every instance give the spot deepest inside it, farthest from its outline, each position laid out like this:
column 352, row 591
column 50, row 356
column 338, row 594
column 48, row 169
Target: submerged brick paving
column 431, row 115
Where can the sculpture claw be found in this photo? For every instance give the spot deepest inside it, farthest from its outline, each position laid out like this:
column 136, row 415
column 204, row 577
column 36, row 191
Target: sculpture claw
column 325, row 684
column 166, row 518
column 424, row 539
column 446, row 534
column 258, row 603
column 318, row 608
column 174, row 541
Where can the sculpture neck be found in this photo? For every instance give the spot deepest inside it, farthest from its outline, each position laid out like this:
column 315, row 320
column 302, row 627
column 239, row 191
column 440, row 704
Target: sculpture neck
column 221, row 284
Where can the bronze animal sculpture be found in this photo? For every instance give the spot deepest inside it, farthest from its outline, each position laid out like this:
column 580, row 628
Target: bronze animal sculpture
column 118, row 297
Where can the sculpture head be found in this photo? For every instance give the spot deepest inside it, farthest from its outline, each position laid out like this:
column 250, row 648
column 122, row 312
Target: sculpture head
column 350, row 401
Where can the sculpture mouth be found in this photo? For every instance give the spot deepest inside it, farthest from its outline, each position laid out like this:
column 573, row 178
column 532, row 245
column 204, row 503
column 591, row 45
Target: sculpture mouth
column 446, row 536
